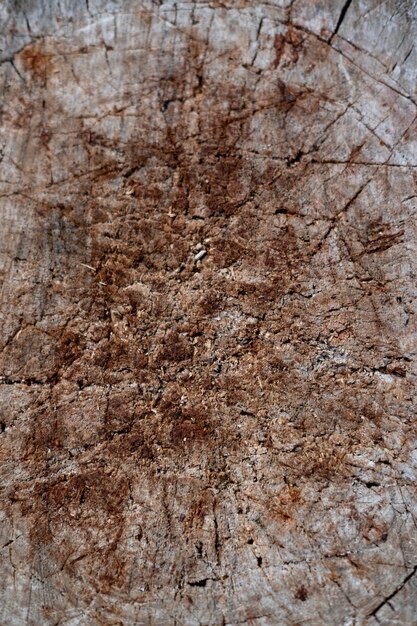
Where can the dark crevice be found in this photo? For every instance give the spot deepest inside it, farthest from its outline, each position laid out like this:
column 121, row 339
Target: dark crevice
column 166, row 104
column 130, row 171
column 408, row 54
column 290, row 161
column 199, row 583
column 394, row 593
column 371, row 483
column 341, row 17
column 27, row 23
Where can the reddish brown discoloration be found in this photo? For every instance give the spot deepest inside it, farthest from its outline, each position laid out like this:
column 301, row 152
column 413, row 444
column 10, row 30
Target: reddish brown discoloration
column 36, row 62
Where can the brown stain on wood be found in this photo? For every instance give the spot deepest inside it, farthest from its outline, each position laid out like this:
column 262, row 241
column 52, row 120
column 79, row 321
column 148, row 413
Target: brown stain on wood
column 36, row 62
column 136, row 326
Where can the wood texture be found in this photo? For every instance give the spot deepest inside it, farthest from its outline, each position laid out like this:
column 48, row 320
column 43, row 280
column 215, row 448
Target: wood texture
column 208, row 337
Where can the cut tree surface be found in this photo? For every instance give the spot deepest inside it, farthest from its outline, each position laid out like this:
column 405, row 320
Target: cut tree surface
column 208, row 297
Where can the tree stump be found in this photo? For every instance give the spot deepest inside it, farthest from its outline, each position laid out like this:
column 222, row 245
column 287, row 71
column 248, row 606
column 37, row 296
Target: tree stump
column 208, row 337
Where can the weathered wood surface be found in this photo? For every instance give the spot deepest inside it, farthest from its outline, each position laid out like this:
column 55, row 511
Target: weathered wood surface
column 230, row 440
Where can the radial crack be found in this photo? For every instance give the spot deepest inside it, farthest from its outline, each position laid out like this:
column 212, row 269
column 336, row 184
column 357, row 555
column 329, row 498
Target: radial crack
column 341, row 17
column 394, row 593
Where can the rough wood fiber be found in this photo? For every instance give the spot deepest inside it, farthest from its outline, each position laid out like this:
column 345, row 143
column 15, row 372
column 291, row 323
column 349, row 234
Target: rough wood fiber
column 229, row 440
